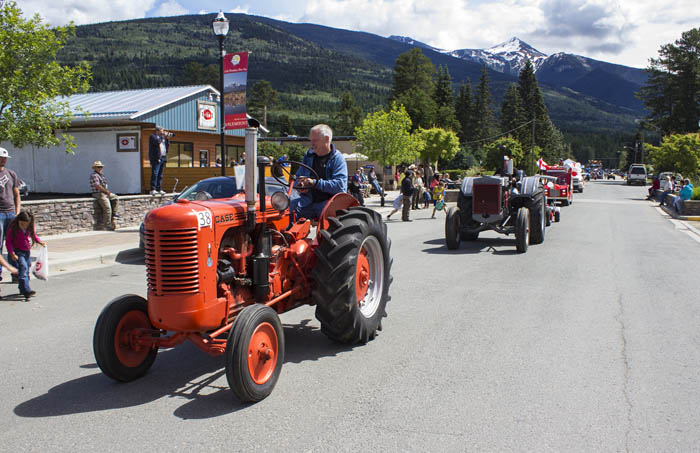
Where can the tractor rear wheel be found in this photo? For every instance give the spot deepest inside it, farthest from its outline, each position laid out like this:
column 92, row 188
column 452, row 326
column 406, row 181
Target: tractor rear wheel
column 538, row 221
column 522, row 230
column 453, row 227
column 254, row 353
column 117, row 355
column 353, row 275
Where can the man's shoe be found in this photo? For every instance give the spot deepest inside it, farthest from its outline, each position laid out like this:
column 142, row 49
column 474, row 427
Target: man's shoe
column 162, row 192
column 110, row 227
column 153, row 192
column 116, row 216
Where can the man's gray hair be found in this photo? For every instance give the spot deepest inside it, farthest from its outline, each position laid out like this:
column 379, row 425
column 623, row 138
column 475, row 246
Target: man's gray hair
column 324, row 130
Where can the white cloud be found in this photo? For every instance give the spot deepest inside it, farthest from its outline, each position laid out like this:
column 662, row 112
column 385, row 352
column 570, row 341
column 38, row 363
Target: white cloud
column 170, row 8
column 85, row 12
column 625, row 31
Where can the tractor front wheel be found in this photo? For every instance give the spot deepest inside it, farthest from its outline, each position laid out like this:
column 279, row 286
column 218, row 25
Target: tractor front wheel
column 353, row 276
column 522, row 230
column 117, row 353
column 254, row 353
column 453, row 226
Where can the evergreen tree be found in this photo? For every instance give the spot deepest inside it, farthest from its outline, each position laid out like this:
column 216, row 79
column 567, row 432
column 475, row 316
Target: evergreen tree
column 262, row 98
column 672, row 92
column 545, row 134
column 349, row 116
column 512, row 115
column 444, row 98
column 413, row 87
column 483, row 116
column 464, row 112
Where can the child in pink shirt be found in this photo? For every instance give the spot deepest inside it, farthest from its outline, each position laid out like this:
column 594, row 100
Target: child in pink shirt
column 19, row 239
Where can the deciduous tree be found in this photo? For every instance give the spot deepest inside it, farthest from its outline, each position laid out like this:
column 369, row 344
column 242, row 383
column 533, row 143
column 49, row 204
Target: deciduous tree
column 386, row 137
column 32, row 82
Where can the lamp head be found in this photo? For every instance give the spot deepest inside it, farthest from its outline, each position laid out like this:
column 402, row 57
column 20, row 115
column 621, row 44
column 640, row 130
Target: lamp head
column 220, row 25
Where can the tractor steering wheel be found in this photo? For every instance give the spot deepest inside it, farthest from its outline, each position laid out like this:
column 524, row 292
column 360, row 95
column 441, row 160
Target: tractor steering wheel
column 279, row 170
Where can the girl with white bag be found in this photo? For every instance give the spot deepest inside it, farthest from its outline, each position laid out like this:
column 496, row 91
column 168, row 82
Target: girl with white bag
column 19, row 239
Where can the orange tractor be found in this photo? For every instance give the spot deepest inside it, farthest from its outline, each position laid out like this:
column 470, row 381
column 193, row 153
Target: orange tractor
column 220, row 271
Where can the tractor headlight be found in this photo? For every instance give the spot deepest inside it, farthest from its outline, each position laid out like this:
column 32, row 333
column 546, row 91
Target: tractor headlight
column 280, row 201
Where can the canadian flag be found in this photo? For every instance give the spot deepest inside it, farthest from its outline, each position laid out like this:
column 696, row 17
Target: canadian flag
column 542, row 165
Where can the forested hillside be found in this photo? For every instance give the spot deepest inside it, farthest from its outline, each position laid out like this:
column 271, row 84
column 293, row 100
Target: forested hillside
column 310, row 66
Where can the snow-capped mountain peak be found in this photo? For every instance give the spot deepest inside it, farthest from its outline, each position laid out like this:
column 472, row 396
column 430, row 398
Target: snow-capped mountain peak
column 508, row 57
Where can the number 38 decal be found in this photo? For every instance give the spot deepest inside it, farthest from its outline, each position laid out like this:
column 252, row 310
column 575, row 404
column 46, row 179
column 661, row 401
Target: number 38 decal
column 204, row 218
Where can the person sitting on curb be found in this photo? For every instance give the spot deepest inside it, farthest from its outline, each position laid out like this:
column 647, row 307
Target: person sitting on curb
column 106, row 199
column 685, row 194
column 654, row 189
column 667, row 189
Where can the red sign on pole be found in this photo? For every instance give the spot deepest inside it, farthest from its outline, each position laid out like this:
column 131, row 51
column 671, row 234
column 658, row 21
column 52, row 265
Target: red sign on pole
column 235, row 81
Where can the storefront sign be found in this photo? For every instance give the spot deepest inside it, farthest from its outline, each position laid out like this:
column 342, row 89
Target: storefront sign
column 206, row 115
column 235, row 82
column 128, row 142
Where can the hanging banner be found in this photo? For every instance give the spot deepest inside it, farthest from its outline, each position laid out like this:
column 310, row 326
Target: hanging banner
column 235, row 80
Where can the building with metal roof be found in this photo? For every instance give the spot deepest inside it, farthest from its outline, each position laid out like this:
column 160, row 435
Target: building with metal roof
column 114, row 127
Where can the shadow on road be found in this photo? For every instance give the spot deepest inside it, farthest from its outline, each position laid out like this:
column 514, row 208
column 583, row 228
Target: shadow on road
column 184, row 372
column 495, row 246
column 130, row 256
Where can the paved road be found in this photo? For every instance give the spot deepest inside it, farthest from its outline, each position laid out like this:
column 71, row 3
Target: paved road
column 586, row 342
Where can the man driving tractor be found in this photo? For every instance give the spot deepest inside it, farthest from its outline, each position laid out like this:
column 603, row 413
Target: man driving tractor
column 329, row 165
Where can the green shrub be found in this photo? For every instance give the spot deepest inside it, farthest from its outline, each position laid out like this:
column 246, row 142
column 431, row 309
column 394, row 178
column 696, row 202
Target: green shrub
column 696, row 194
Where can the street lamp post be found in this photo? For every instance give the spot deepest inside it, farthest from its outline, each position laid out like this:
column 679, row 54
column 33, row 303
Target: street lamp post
column 220, row 27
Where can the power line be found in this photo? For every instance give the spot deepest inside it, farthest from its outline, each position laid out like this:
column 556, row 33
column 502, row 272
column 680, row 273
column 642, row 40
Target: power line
column 500, row 135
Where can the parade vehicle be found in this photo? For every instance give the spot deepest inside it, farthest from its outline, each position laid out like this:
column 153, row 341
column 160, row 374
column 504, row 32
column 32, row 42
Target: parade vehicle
column 220, row 271
column 562, row 189
column 505, row 204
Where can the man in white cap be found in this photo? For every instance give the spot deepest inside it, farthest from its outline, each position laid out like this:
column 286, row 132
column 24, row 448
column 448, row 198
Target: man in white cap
column 106, row 199
column 9, row 197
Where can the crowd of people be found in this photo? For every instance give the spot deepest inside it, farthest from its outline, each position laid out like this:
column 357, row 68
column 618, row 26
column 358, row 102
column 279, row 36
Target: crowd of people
column 661, row 188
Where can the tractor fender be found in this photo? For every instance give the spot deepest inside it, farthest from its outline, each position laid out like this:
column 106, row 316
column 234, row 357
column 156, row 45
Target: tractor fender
column 530, row 186
column 339, row 202
column 467, row 186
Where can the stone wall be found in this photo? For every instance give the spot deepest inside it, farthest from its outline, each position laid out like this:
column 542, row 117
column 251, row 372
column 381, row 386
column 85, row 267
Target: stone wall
column 688, row 207
column 71, row 215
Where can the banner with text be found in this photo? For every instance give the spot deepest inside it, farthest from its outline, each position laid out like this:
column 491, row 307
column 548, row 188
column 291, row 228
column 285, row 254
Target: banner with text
column 235, row 81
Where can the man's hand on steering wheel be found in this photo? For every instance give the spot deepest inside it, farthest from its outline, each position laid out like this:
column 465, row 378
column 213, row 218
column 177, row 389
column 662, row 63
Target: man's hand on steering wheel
column 302, row 183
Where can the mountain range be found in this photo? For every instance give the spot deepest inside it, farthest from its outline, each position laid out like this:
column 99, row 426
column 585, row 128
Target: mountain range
column 606, row 81
column 312, row 65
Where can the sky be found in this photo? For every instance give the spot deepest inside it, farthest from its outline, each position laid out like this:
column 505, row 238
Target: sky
column 627, row 32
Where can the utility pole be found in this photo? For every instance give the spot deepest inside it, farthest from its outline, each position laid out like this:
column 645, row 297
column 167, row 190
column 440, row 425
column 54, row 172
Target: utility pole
column 532, row 144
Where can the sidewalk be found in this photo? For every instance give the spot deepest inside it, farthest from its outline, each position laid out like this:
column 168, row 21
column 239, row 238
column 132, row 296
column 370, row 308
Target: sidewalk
column 72, row 252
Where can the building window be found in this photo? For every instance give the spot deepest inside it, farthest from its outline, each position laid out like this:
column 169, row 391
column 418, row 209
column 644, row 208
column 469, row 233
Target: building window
column 232, row 152
column 180, row 154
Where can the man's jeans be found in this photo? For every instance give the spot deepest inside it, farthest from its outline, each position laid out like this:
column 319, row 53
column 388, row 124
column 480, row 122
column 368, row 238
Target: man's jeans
column 157, row 168
column 5, row 219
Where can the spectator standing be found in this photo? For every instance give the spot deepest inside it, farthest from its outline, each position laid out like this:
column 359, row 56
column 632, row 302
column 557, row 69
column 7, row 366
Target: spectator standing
column 418, row 192
column 218, row 162
column 241, row 161
column 685, row 194
column 158, row 145
column 107, row 200
column 9, row 198
column 20, row 238
column 407, row 192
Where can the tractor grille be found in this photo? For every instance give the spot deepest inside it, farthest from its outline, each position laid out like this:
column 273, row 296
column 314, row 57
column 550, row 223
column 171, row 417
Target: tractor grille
column 487, row 199
column 171, row 261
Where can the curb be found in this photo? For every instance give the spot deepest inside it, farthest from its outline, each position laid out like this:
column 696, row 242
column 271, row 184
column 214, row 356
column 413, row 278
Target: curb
column 106, row 258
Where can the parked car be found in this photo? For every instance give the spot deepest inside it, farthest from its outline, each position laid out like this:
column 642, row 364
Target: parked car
column 637, row 174
column 217, row 187
column 23, row 189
